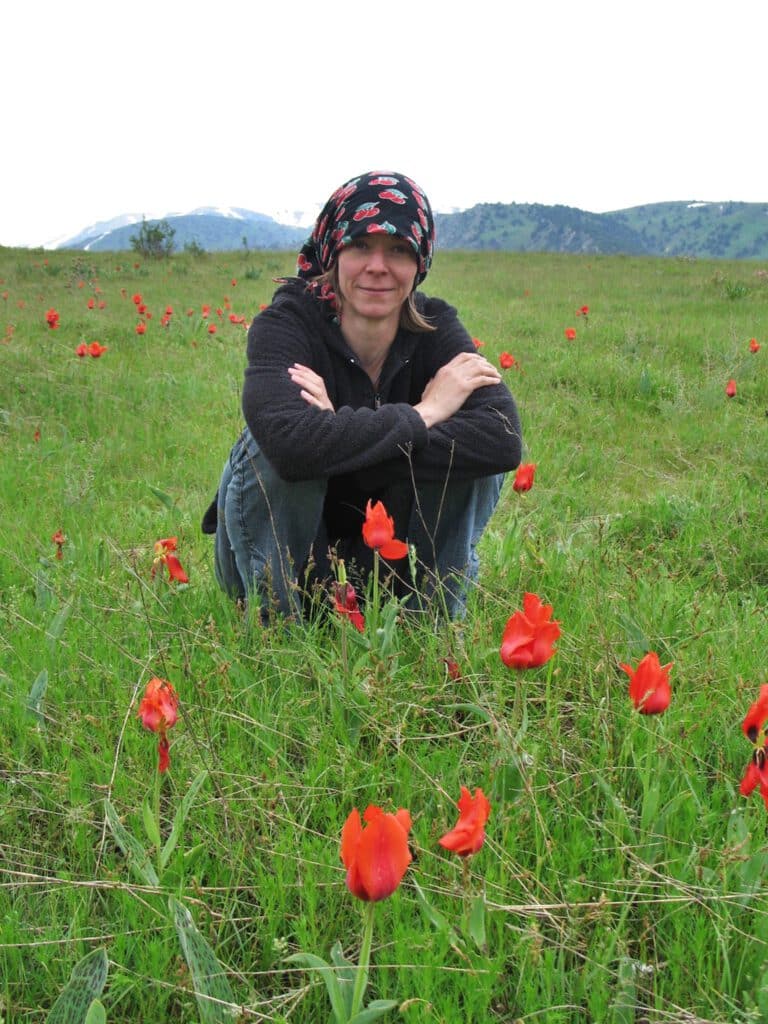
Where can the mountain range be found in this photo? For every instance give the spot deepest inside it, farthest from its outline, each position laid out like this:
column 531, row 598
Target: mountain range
column 716, row 230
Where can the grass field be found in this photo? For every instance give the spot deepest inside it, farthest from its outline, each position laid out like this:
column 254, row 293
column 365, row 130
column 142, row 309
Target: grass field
column 623, row 875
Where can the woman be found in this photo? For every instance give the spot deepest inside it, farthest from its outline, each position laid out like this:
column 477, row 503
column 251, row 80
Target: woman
column 359, row 388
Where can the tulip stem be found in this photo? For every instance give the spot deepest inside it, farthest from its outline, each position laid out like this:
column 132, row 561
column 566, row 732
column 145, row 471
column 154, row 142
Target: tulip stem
column 361, row 981
column 156, row 810
column 374, row 614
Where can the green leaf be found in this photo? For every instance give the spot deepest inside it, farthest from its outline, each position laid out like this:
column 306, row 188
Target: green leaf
column 96, row 1013
column 138, row 858
column 215, row 999
column 435, row 918
column 161, row 496
column 43, row 591
column 328, row 974
column 150, row 822
column 35, row 698
column 624, row 1005
column 58, row 622
column 476, row 923
column 375, row 1009
column 180, row 817
column 86, row 983
column 346, row 973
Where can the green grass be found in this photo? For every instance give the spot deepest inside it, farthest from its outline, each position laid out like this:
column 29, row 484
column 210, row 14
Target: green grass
column 624, row 874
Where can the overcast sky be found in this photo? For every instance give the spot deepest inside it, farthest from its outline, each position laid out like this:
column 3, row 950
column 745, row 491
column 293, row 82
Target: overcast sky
column 159, row 107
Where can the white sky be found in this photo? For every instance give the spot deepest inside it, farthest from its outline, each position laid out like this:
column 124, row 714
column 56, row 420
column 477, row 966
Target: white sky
column 153, row 107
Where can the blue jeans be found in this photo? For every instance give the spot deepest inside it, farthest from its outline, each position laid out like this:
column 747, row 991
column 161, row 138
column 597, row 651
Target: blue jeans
column 267, row 529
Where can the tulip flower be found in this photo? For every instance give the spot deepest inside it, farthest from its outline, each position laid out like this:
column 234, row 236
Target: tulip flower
column 158, row 711
column 96, row 349
column 59, row 540
column 570, row 333
column 376, row 854
column 468, row 835
column 506, row 360
column 529, row 635
column 379, row 532
column 524, row 476
column 649, row 684
column 81, row 350
column 730, row 388
column 345, row 600
column 583, row 311
column 164, row 553
column 141, row 327
column 52, row 319
column 753, row 728
column 753, row 345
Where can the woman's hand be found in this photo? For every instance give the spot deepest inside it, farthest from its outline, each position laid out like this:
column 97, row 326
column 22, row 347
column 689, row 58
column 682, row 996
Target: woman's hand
column 453, row 384
column 312, row 386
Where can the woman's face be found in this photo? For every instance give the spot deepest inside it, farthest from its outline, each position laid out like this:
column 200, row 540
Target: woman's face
column 376, row 275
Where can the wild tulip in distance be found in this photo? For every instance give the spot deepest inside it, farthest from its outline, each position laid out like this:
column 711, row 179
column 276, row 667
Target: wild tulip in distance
column 379, row 532
column 649, row 684
column 754, row 345
column 753, row 728
column 164, row 554
column 159, row 711
column 506, row 360
column 529, row 635
column 570, row 333
column 52, row 319
column 730, row 388
column 524, row 476
column 468, row 834
column 376, row 854
column 345, row 600
column 59, row 540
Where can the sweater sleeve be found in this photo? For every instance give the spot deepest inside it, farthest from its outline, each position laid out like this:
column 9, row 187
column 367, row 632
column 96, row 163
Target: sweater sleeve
column 301, row 441
column 482, row 438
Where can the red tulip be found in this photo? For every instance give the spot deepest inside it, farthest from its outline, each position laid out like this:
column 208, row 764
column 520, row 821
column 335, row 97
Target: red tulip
column 468, row 834
column 649, row 685
column 95, row 349
column 158, row 711
column 59, row 540
column 379, row 532
column 52, row 319
column 376, row 854
column 164, row 554
column 753, row 728
column 529, row 635
column 81, row 350
column 91, row 303
column 477, row 343
column 730, row 388
column 753, row 345
column 583, row 311
column 345, row 599
column 524, row 476
column 570, row 333
column 141, row 327
column 137, row 300
column 506, row 360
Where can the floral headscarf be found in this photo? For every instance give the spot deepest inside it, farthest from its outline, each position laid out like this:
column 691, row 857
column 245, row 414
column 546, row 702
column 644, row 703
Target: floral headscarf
column 378, row 201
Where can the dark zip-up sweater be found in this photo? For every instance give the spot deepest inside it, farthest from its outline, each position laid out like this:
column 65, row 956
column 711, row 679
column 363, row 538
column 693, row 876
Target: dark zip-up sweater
column 373, row 437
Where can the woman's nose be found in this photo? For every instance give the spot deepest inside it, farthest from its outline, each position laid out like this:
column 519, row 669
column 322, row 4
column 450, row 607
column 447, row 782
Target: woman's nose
column 376, row 260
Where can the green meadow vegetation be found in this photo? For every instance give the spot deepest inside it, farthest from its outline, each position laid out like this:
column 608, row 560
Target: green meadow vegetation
column 623, row 878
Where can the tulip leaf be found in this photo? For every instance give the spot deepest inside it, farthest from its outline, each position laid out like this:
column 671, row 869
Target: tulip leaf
column 328, row 974
column 35, row 698
column 96, row 1013
column 215, row 999
column 58, row 622
column 476, row 923
column 180, row 817
column 137, row 856
column 161, row 496
column 438, row 921
column 86, row 983
column 150, row 822
column 375, row 1009
column 43, row 591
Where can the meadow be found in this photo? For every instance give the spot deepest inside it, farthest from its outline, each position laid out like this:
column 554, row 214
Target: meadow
column 622, row 878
